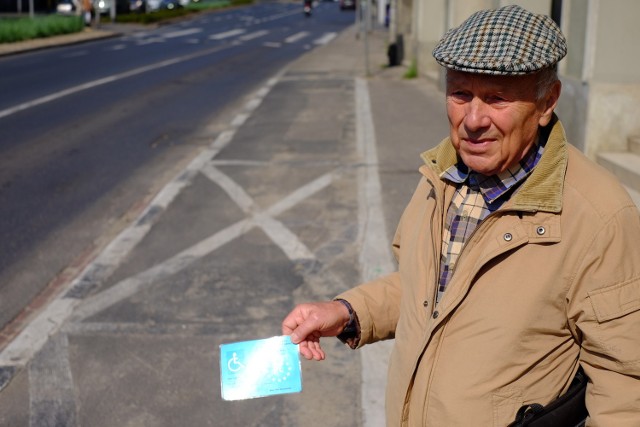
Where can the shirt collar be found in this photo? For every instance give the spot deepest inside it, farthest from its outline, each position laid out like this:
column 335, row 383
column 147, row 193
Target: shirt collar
column 495, row 186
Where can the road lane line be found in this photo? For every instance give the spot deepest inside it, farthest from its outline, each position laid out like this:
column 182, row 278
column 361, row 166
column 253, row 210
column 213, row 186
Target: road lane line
column 295, row 37
column 106, row 80
column 181, row 33
column 280, row 15
column 325, row 38
column 227, row 34
column 272, row 44
column 253, row 35
column 151, row 40
column 239, row 119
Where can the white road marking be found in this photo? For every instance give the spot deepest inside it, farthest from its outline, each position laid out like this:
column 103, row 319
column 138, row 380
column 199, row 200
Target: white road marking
column 274, row 229
column 325, row 38
column 282, row 236
column 35, row 335
column 135, row 284
column 254, row 35
column 280, row 15
column 239, row 119
column 181, row 33
column 253, row 104
column 227, row 34
column 295, row 37
column 375, row 257
column 151, row 40
column 105, row 80
column 118, row 47
column 233, row 190
column 272, row 44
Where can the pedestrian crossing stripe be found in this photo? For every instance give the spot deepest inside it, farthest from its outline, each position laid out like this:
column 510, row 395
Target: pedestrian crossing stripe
column 227, row 34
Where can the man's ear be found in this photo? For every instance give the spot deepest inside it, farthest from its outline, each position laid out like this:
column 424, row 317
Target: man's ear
column 550, row 101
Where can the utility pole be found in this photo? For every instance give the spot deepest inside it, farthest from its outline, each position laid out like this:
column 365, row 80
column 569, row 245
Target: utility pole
column 363, row 7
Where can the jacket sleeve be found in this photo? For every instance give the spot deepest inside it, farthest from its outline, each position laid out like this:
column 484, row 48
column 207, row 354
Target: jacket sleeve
column 604, row 312
column 376, row 304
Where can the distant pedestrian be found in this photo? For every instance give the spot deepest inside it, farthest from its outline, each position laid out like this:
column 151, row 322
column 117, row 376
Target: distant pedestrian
column 87, row 8
column 518, row 258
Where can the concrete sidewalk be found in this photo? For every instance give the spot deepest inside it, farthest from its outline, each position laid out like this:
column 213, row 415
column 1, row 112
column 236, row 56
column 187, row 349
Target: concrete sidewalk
column 295, row 200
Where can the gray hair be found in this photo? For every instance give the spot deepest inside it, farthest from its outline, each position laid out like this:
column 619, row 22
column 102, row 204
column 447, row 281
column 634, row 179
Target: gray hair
column 547, row 77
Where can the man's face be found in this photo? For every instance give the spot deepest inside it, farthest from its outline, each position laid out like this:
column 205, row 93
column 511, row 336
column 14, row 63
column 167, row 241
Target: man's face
column 494, row 119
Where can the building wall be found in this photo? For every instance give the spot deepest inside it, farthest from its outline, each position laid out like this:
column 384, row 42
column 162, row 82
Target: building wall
column 614, row 76
column 600, row 102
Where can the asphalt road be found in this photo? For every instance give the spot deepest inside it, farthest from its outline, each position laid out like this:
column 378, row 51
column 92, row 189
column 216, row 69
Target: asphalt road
column 89, row 132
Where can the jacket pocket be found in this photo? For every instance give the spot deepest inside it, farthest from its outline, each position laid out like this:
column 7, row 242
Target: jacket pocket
column 506, row 403
column 616, row 301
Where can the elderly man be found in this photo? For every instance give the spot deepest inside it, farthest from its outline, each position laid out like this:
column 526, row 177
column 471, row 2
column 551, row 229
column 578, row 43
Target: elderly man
column 518, row 258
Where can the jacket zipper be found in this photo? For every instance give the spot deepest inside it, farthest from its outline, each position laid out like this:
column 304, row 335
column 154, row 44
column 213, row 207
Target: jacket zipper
column 439, row 208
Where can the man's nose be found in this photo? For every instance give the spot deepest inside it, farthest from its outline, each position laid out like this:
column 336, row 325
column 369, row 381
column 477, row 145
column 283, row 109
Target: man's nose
column 477, row 115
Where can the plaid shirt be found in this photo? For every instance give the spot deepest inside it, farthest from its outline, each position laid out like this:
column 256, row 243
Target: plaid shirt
column 475, row 198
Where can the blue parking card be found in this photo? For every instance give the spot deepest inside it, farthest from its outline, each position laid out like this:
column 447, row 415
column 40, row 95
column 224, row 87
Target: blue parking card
column 259, row 368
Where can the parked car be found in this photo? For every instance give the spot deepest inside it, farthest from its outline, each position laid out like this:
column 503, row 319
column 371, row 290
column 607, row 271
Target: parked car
column 138, row 6
column 162, row 4
column 67, row 7
column 347, row 4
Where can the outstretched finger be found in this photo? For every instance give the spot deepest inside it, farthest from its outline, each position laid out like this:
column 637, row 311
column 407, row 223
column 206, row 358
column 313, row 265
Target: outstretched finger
column 316, row 350
column 311, row 349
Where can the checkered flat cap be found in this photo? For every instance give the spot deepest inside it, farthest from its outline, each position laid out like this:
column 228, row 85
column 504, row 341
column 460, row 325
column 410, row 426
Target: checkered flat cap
column 505, row 41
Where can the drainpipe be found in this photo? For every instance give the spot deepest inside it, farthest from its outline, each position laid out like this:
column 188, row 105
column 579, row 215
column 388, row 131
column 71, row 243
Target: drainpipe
column 556, row 11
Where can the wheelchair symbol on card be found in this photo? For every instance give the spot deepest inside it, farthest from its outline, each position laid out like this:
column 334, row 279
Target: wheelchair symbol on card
column 234, row 364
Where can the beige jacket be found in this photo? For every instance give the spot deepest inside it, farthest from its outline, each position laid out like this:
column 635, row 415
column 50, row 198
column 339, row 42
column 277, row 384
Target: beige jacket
column 548, row 282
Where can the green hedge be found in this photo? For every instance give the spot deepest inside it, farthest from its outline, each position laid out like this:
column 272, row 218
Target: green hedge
column 18, row 29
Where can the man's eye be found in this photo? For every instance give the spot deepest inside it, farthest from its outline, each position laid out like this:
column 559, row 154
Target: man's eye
column 459, row 94
column 496, row 98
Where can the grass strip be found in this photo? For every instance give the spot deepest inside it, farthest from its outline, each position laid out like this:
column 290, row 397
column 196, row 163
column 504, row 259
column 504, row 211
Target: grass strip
column 19, row 29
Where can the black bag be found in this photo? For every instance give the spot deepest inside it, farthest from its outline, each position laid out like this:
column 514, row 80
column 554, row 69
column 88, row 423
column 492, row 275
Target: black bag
column 568, row 410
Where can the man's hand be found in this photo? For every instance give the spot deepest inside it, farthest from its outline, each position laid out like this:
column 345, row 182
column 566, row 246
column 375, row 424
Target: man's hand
column 308, row 322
